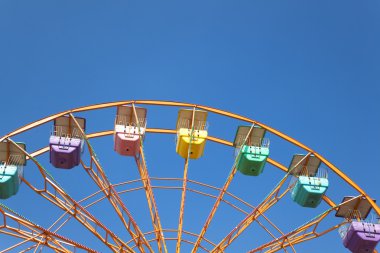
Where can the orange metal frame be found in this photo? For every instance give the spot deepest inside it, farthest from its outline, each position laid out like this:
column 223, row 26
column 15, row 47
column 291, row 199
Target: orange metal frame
column 144, row 175
column 29, row 231
column 184, row 185
column 101, row 180
column 56, row 195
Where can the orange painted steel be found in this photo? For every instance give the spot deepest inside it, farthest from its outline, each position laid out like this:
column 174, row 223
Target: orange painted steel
column 182, row 206
column 144, row 175
column 101, row 180
column 62, row 200
column 265, row 205
column 39, row 239
column 153, row 210
column 189, row 189
column 214, row 139
column 207, row 108
column 219, row 199
column 183, row 240
column 294, row 237
column 300, row 234
column 198, row 192
column 183, row 197
column 31, row 232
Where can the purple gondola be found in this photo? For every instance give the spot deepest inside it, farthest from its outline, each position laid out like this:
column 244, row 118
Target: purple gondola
column 361, row 237
column 66, row 143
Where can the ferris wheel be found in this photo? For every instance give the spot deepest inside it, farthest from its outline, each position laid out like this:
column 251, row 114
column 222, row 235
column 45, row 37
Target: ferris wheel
column 160, row 176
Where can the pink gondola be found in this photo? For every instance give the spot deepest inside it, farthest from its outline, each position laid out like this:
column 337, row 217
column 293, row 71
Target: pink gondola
column 129, row 130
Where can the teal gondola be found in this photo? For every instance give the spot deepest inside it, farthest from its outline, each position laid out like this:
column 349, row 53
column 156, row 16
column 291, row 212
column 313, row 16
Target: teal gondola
column 308, row 191
column 12, row 161
column 311, row 183
column 10, row 180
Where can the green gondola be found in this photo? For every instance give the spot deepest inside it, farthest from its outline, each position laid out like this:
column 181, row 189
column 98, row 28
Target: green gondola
column 252, row 160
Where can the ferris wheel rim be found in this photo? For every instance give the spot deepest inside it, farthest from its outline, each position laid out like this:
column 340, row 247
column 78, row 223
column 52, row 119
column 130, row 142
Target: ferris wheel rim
column 172, row 131
column 282, row 135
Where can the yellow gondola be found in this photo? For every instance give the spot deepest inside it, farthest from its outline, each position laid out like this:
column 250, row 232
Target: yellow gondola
column 191, row 133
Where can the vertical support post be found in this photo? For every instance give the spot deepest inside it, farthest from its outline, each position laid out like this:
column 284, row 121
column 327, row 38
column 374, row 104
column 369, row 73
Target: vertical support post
column 184, row 185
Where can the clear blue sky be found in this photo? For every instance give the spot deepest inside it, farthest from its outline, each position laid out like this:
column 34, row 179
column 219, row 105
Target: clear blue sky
column 308, row 68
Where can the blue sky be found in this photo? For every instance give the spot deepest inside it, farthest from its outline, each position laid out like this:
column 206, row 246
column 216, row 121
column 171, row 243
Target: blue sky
column 307, row 68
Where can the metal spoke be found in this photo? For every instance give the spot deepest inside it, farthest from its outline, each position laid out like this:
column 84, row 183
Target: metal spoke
column 144, row 175
column 298, row 235
column 55, row 194
column 220, row 197
column 61, row 199
column 32, row 232
column 142, row 167
column 97, row 174
column 184, row 185
column 273, row 197
column 265, row 205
